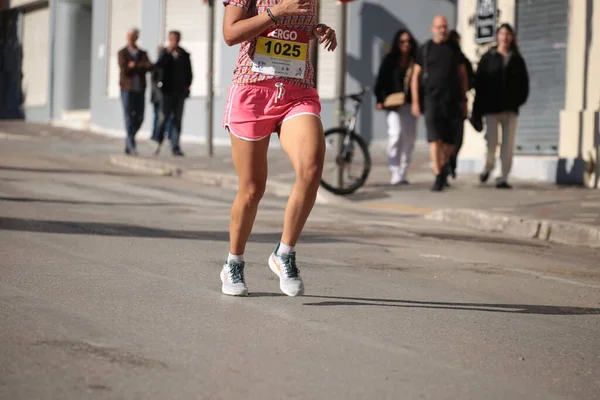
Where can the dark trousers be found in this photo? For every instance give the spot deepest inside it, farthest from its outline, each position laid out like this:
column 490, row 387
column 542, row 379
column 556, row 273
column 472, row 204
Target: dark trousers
column 133, row 110
column 171, row 107
column 460, row 131
column 168, row 128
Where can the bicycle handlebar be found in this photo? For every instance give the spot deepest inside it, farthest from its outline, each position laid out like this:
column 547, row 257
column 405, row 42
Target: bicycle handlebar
column 358, row 96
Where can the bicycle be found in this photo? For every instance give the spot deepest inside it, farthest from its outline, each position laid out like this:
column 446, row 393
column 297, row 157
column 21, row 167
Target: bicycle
column 341, row 145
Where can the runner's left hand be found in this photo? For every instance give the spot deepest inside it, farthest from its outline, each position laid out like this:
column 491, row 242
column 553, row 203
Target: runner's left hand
column 326, row 37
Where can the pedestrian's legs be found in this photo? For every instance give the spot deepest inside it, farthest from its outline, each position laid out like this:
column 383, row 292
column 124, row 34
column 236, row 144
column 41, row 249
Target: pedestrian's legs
column 509, row 133
column 407, row 142
column 460, row 127
column 139, row 105
column 169, row 127
column 393, row 148
column 166, row 109
column 393, row 153
column 156, row 107
column 250, row 162
column 127, row 113
column 177, row 117
column 303, row 141
column 491, row 123
column 436, row 153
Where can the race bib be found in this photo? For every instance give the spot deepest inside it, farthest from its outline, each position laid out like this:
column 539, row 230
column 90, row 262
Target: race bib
column 281, row 52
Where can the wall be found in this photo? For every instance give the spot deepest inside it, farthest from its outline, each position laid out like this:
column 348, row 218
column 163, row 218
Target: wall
column 371, row 25
column 71, row 85
column 579, row 120
column 107, row 114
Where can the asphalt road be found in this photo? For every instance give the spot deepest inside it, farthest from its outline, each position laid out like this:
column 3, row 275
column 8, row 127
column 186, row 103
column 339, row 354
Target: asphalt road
column 109, row 288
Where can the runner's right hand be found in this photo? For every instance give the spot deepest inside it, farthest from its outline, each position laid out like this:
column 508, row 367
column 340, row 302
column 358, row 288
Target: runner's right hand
column 291, row 7
column 416, row 110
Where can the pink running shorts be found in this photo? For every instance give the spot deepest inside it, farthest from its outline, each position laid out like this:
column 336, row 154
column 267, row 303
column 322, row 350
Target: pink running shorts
column 255, row 111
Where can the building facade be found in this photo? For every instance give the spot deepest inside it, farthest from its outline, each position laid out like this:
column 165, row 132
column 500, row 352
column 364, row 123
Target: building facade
column 558, row 132
column 80, row 82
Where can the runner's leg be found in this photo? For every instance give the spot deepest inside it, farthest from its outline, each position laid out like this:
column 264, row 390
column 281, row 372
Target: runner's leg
column 250, row 161
column 303, row 140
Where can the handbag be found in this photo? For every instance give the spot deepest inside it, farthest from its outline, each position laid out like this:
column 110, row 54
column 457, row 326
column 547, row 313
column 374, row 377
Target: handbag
column 396, row 100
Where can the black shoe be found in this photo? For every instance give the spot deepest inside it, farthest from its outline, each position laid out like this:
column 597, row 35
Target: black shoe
column 503, row 185
column 452, row 170
column 157, row 151
column 178, row 153
column 131, row 152
column 438, row 185
column 404, row 182
column 484, row 177
column 446, row 171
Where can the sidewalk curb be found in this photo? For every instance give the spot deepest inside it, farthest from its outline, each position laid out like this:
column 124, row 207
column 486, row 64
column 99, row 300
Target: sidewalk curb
column 144, row 165
column 216, row 179
column 545, row 230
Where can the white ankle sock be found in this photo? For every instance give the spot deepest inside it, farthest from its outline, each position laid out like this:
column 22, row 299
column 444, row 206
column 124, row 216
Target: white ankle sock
column 284, row 249
column 233, row 257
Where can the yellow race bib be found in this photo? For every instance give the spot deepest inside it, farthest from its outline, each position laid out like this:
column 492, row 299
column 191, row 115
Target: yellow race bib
column 281, row 52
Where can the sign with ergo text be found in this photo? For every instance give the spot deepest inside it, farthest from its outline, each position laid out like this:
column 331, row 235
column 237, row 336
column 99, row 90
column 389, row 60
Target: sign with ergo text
column 485, row 21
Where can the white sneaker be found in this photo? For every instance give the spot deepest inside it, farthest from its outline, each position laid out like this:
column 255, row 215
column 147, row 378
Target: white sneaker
column 396, row 177
column 232, row 276
column 284, row 266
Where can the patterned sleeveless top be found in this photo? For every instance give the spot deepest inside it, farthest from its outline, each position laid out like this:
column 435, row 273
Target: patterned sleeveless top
column 246, row 70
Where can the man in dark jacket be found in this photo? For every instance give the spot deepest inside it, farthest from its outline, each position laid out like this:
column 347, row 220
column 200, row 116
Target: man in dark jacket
column 176, row 72
column 440, row 71
column 133, row 66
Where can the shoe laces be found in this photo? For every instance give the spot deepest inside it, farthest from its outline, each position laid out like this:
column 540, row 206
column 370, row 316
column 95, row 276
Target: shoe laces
column 236, row 271
column 289, row 264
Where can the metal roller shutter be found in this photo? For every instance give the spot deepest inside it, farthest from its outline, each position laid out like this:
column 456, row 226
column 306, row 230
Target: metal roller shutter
column 190, row 18
column 124, row 14
column 542, row 34
column 36, row 51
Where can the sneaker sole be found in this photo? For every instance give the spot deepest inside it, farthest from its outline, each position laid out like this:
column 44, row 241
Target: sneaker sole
column 228, row 293
column 273, row 267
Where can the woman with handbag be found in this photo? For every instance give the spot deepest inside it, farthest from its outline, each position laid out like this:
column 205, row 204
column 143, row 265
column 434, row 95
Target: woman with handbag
column 392, row 90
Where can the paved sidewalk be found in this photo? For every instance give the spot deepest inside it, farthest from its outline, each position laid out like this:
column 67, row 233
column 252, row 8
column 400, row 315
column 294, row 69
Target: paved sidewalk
column 539, row 210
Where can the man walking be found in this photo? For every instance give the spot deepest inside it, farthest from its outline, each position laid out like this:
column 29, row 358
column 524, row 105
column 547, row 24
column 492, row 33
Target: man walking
column 133, row 65
column 440, row 73
column 156, row 98
column 176, row 73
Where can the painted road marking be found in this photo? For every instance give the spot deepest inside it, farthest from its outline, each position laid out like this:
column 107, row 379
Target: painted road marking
column 403, row 208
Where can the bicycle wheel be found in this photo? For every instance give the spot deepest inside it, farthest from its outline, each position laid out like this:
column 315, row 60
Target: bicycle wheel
column 347, row 162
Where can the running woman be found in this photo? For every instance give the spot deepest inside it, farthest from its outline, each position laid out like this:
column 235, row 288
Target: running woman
column 273, row 91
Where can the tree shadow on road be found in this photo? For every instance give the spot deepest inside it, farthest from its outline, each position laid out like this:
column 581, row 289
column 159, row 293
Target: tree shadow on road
column 125, row 230
column 486, row 307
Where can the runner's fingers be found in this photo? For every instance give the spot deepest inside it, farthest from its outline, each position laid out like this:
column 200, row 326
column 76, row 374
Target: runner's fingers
column 326, row 36
column 333, row 44
column 331, row 40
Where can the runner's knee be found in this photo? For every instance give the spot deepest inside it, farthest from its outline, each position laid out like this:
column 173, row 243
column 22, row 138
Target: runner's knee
column 252, row 192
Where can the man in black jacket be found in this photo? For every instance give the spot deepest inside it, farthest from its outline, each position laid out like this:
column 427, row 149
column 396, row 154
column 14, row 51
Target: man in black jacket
column 176, row 72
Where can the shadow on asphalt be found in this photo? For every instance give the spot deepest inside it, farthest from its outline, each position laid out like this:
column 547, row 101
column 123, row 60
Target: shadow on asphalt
column 124, row 230
column 91, row 203
column 66, row 171
column 498, row 308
